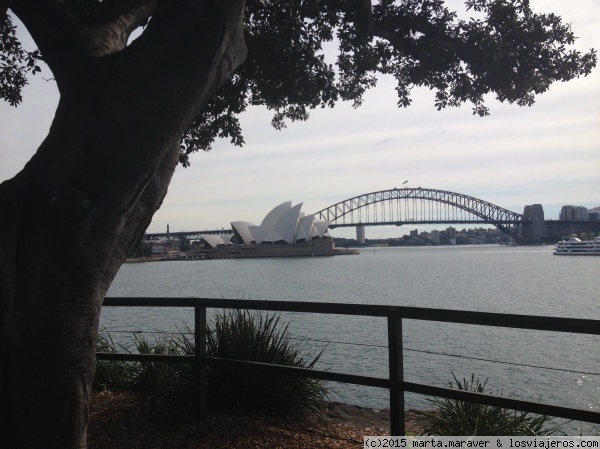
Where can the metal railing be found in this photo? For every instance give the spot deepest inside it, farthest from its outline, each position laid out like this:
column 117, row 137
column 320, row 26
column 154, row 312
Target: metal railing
column 395, row 383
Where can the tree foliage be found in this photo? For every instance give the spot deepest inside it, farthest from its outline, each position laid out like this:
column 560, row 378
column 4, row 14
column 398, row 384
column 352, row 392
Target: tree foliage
column 509, row 51
column 15, row 63
column 505, row 48
column 129, row 110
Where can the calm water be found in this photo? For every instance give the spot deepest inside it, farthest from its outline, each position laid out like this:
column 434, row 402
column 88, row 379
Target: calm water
column 556, row 368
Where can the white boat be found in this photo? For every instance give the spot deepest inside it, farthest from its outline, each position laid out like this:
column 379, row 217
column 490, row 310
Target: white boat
column 576, row 247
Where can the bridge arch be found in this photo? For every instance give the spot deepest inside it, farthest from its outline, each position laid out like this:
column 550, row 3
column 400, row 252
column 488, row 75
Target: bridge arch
column 419, row 205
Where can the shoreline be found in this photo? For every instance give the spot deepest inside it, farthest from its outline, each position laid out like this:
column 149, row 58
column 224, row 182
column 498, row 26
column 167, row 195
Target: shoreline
column 314, row 248
column 367, row 418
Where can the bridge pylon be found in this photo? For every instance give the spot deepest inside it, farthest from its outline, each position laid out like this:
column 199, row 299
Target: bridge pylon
column 360, row 233
column 534, row 225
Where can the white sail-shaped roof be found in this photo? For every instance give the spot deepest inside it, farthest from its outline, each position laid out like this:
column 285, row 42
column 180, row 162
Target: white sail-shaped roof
column 304, row 227
column 282, row 223
column 271, row 219
column 212, row 240
column 241, row 227
column 319, row 228
column 286, row 225
column 227, row 239
column 261, row 234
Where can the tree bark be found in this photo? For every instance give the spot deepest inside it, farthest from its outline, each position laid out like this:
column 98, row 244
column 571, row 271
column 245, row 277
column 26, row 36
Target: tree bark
column 74, row 213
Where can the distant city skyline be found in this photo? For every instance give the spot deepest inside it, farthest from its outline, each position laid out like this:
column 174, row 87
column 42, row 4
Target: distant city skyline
column 548, row 153
column 372, row 232
column 567, row 212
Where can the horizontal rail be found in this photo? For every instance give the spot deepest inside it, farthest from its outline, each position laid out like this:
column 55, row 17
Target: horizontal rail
column 132, row 357
column 394, row 314
column 217, row 361
column 367, row 381
column 533, row 322
column 504, row 402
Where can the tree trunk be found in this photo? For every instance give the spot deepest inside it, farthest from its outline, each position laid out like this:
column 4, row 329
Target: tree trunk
column 75, row 212
column 61, row 269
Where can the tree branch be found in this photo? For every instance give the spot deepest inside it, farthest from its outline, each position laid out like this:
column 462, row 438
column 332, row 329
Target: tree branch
column 195, row 60
column 67, row 40
column 387, row 28
column 118, row 18
column 363, row 17
column 57, row 32
column 4, row 5
column 145, row 97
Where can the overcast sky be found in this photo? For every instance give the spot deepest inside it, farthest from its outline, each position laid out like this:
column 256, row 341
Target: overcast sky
column 548, row 154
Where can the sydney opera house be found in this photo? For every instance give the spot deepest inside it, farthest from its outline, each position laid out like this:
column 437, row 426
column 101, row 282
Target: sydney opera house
column 284, row 224
column 285, row 231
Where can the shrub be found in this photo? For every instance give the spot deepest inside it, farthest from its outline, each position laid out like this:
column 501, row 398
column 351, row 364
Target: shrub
column 112, row 375
column 160, row 375
column 235, row 334
column 454, row 417
column 254, row 336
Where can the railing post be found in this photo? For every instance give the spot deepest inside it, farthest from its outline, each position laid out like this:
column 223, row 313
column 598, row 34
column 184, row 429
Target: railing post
column 200, row 354
column 396, row 367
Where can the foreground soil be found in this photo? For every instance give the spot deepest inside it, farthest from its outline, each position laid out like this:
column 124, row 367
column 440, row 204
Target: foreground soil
column 130, row 421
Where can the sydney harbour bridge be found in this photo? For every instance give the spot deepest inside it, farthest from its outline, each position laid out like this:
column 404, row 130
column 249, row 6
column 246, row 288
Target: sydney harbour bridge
column 411, row 206
column 420, row 206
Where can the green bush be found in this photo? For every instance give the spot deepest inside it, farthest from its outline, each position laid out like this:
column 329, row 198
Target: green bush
column 257, row 337
column 454, row 417
column 235, row 334
column 112, row 375
column 146, row 376
column 159, row 375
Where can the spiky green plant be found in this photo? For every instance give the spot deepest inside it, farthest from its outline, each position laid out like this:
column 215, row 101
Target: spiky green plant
column 235, row 334
column 153, row 375
column 455, row 417
column 112, row 375
column 256, row 336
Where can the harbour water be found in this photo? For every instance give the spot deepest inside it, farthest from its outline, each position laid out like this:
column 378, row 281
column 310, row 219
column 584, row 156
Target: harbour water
column 535, row 365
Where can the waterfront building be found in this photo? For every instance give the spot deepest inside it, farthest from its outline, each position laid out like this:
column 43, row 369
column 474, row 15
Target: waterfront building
column 594, row 213
column 574, row 213
column 451, row 232
column 284, row 224
column 217, row 240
